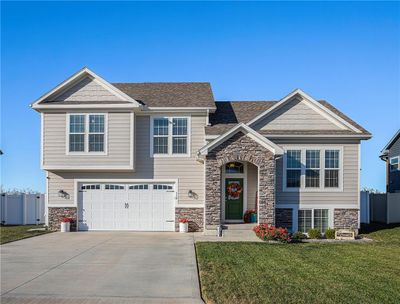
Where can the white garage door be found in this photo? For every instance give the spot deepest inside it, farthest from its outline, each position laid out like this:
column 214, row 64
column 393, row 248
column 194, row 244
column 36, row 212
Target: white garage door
column 141, row 207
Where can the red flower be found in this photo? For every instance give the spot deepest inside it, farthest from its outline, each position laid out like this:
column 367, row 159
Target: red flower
column 268, row 232
column 67, row 220
column 183, row 220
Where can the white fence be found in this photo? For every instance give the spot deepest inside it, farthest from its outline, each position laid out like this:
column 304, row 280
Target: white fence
column 381, row 207
column 22, row 209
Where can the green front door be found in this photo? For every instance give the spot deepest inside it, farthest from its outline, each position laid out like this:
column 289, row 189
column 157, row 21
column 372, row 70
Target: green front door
column 234, row 198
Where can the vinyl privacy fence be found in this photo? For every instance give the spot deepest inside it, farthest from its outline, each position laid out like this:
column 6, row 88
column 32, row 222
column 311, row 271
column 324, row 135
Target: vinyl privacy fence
column 379, row 207
column 22, row 209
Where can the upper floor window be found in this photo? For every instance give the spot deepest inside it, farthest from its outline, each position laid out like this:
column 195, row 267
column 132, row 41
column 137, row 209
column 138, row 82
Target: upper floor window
column 234, row 167
column 394, row 164
column 312, row 169
column 170, row 136
column 86, row 133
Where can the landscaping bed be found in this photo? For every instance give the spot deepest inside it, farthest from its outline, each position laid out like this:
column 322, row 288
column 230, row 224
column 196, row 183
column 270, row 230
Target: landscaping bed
column 18, row 232
column 339, row 272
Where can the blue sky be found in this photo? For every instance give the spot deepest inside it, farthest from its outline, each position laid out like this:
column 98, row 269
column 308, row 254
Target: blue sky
column 346, row 52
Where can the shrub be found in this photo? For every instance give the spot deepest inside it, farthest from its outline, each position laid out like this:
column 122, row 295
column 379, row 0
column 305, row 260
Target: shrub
column 314, row 234
column 298, row 235
column 271, row 233
column 330, row 233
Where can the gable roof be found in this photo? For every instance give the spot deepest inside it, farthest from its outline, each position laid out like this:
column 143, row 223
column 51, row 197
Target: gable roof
column 391, row 141
column 50, row 97
column 170, row 94
column 241, row 127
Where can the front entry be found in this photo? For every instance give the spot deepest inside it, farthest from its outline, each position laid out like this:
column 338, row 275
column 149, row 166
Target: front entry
column 234, row 189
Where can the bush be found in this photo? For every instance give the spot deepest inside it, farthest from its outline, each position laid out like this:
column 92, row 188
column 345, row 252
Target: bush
column 271, row 233
column 330, row 233
column 298, row 235
column 314, row 234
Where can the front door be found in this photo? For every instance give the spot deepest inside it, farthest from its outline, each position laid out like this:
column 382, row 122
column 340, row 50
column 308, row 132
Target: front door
column 234, row 198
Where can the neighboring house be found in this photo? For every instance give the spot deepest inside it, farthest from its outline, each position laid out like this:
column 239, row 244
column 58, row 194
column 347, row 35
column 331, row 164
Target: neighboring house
column 391, row 155
column 140, row 156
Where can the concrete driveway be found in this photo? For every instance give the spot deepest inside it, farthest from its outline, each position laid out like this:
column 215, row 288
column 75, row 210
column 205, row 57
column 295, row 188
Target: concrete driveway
column 100, row 267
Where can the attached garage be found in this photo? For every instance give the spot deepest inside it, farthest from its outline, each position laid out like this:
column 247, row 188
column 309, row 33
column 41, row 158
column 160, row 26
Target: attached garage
column 126, row 206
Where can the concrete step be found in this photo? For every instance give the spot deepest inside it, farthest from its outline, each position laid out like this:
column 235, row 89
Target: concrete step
column 247, row 226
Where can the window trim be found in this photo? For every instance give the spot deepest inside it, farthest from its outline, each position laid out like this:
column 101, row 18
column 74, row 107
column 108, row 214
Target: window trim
column 313, row 215
column 86, row 134
column 398, row 163
column 321, row 187
column 170, row 136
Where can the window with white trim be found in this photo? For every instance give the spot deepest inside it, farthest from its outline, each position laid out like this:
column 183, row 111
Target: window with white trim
column 86, row 133
column 313, row 218
column 332, row 168
column 312, row 168
column 394, row 164
column 170, row 136
column 293, row 168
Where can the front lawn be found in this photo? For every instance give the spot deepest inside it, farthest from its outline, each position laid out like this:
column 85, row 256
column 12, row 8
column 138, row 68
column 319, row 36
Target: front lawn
column 302, row 273
column 15, row 233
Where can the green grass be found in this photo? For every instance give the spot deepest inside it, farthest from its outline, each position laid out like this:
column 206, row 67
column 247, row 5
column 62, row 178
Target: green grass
column 15, row 233
column 302, row 273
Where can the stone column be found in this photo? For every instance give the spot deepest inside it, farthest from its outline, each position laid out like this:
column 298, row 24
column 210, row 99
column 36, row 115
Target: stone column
column 213, row 192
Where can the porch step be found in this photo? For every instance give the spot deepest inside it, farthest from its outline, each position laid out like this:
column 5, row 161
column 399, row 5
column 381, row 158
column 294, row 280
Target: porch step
column 245, row 227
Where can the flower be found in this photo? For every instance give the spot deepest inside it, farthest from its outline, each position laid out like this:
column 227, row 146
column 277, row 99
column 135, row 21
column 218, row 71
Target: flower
column 183, row 220
column 268, row 233
column 67, row 220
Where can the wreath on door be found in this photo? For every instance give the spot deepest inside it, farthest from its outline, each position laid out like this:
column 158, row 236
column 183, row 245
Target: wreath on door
column 234, row 190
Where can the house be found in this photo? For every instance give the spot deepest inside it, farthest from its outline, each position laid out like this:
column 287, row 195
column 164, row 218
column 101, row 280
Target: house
column 140, row 156
column 391, row 155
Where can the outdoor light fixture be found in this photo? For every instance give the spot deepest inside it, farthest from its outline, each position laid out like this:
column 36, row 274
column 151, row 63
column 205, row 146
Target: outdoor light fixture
column 190, row 194
column 63, row 194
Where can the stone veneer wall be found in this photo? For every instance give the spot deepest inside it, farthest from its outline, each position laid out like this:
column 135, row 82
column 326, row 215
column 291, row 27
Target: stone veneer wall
column 345, row 218
column 194, row 215
column 240, row 148
column 284, row 217
column 56, row 215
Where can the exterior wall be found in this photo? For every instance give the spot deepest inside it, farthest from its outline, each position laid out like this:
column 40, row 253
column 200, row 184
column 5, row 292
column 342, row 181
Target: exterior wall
column 296, row 115
column 56, row 216
column 348, row 197
column 194, row 215
column 252, row 181
column 86, row 89
column 394, row 177
column 284, row 218
column 346, row 218
column 240, row 148
column 187, row 170
column 119, row 140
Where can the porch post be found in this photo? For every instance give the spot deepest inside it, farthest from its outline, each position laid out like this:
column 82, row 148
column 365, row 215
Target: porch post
column 266, row 191
column 213, row 192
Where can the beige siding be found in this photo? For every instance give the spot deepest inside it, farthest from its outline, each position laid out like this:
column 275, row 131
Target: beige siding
column 55, row 141
column 87, row 89
column 346, row 198
column 188, row 172
column 296, row 115
column 252, row 184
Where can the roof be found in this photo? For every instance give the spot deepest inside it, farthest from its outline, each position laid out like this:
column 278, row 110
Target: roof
column 170, row 94
column 229, row 113
column 391, row 142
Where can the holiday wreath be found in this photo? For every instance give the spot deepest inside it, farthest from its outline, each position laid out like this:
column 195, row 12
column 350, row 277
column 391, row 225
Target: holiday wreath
column 234, row 190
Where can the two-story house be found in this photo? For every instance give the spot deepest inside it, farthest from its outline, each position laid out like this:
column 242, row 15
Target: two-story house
column 140, row 156
column 391, row 155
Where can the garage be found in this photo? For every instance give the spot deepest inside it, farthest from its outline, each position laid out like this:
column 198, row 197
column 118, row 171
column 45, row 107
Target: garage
column 126, row 206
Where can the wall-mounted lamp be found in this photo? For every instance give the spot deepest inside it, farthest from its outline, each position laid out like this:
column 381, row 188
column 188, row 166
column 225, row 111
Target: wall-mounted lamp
column 190, row 193
column 63, row 194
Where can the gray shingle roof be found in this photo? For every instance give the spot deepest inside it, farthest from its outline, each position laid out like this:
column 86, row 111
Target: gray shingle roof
column 170, row 94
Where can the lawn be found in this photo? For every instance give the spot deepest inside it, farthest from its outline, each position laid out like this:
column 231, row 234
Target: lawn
column 302, row 273
column 15, row 233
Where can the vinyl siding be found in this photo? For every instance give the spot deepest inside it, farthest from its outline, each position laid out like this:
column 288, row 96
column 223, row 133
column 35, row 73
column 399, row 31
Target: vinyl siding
column 252, row 184
column 295, row 115
column 348, row 198
column 55, row 141
column 394, row 177
column 86, row 89
column 188, row 171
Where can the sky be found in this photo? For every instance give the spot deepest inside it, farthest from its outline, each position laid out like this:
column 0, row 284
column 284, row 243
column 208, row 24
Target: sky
column 345, row 52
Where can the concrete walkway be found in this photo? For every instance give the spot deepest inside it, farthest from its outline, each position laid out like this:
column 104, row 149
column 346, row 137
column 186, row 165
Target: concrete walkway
column 100, row 267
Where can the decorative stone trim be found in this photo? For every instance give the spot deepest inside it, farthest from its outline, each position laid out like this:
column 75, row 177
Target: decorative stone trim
column 284, row 218
column 346, row 218
column 57, row 214
column 240, row 148
column 194, row 215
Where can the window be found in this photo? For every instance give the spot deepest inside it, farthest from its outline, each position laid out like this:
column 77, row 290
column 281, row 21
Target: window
column 170, row 136
column 139, row 187
column 162, row 187
column 293, row 168
column 86, row 133
column 114, row 187
column 331, row 168
column 313, row 218
column 90, row 187
column 394, row 164
column 312, row 168
column 305, row 220
column 234, row 167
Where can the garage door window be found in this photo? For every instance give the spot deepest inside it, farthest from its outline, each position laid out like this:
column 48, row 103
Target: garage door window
column 162, row 187
column 139, row 187
column 90, row 187
column 114, row 187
